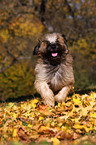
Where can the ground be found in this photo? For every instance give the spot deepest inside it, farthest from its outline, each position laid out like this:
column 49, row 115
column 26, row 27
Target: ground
column 30, row 122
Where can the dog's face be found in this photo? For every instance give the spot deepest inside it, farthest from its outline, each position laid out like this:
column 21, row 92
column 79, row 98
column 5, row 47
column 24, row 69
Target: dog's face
column 52, row 48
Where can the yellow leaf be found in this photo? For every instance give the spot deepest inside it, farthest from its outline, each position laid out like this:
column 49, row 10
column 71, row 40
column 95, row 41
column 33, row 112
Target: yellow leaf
column 10, row 105
column 55, row 141
column 64, row 128
column 20, row 122
column 84, row 112
column 33, row 105
column 78, row 126
column 60, row 124
column 93, row 115
column 15, row 107
column 15, row 115
column 15, row 132
column 87, row 129
column 33, row 102
column 76, row 99
column 59, row 104
column 40, row 118
column 63, row 103
column 30, row 125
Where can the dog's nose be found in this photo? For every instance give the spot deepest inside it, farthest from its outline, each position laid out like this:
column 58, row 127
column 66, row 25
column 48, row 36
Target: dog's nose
column 53, row 46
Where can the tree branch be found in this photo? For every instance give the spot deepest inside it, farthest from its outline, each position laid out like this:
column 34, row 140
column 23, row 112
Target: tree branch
column 42, row 16
column 71, row 12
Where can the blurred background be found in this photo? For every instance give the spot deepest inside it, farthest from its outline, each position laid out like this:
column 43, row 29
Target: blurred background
column 24, row 22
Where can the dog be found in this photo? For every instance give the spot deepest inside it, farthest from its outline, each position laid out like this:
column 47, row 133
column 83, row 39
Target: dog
column 54, row 71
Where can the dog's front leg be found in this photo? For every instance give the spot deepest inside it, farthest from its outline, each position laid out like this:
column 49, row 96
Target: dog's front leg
column 61, row 96
column 45, row 92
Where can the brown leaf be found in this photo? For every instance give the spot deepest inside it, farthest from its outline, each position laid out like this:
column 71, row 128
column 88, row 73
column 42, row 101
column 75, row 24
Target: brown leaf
column 36, row 127
column 47, row 130
column 23, row 134
column 43, row 107
column 64, row 135
column 68, row 108
column 75, row 135
column 0, row 115
column 44, row 110
column 34, row 136
column 42, row 139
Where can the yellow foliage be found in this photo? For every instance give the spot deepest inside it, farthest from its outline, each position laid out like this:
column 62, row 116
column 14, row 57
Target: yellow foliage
column 17, row 81
column 29, row 120
column 4, row 35
column 26, row 26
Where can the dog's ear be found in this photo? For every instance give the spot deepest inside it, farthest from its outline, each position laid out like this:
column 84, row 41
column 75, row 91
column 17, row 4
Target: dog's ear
column 65, row 44
column 35, row 51
column 65, row 40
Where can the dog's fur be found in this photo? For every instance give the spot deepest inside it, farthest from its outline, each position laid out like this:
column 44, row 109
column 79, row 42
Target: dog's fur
column 54, row 71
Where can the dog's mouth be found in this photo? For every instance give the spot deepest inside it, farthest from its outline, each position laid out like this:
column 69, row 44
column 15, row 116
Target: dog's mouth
column 54, row 54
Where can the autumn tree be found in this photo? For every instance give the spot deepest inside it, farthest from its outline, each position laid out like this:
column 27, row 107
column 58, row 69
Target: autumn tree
column 23, row 22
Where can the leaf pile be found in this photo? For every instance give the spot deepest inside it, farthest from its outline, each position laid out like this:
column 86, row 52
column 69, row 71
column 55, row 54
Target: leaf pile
column 32, row 121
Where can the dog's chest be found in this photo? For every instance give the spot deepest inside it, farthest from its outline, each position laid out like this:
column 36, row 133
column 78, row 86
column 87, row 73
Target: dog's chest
column 56, row 79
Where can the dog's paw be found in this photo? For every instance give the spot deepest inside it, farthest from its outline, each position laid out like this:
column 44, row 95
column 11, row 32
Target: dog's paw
column 50, row 101
column 60, row 97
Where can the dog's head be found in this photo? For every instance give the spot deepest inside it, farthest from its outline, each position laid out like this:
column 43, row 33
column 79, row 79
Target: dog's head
column 51, row 48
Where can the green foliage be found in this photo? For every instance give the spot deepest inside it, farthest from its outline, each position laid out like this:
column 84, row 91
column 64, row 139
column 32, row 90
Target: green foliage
column 17, row 81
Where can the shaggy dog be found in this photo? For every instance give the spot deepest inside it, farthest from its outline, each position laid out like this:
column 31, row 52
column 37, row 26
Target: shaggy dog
column 54, row 71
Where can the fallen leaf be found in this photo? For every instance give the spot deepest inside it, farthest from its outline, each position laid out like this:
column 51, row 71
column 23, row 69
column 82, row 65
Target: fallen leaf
column 55, row 141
